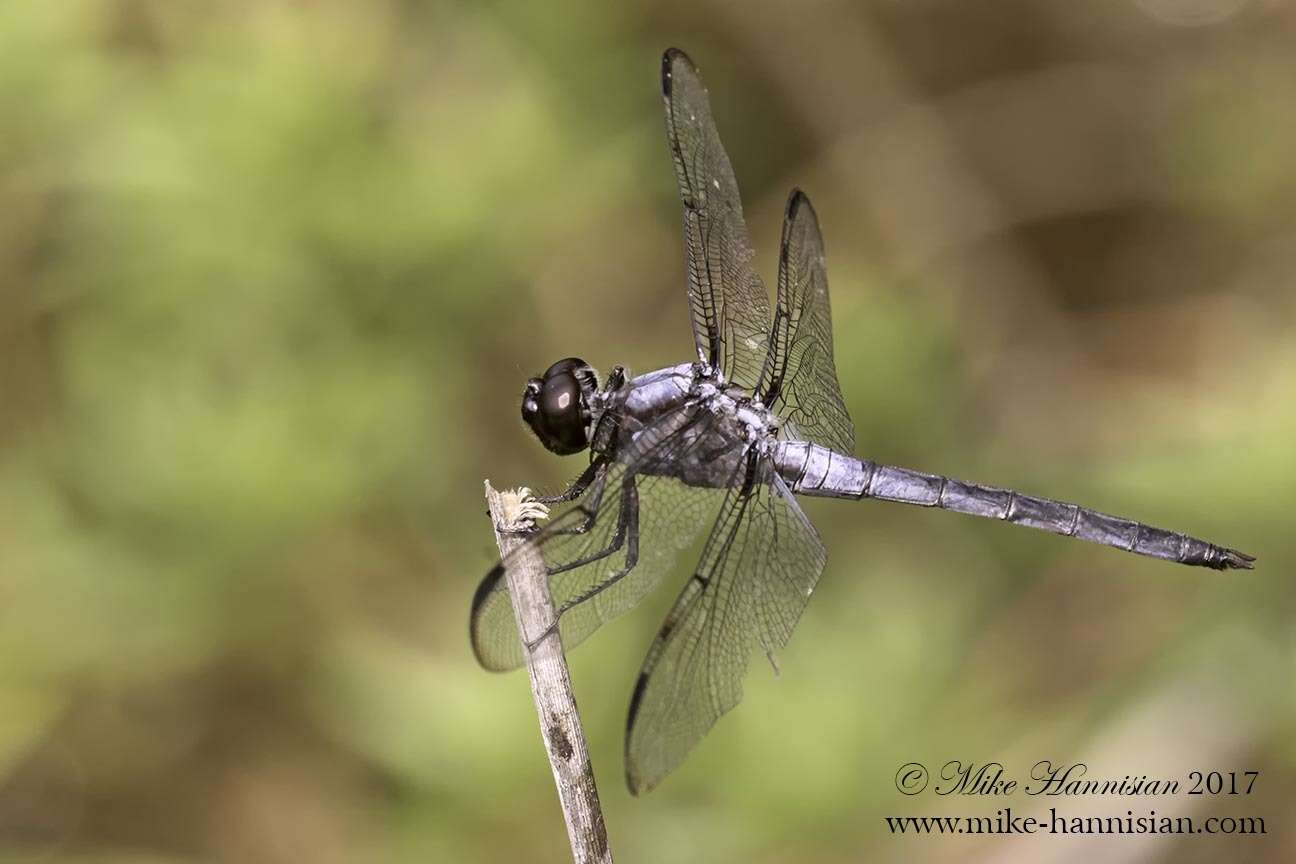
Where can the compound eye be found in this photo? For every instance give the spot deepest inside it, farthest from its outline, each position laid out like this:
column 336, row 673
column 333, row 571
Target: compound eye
column 530, row 401
column 554, row 406
column 564, row 420
column 560, row 398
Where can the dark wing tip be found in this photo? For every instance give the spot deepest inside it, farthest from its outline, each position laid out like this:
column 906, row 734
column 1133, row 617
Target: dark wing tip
column 670, row 58
column 635, row 698
column 634, row 782
column 796, row 200
column 485, row 588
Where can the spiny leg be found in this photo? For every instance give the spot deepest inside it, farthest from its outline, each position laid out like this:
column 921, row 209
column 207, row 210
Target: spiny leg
column 578, row 486
column 627, row 535
column 588, row 511
column 628, row 492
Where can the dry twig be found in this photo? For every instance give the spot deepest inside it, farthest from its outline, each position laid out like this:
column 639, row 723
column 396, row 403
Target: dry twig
column 551, row 687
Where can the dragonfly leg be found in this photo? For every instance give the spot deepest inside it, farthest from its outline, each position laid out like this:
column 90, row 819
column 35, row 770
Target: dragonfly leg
column 586, row 511
column 590, row 475
column 629, row 499
column 578, row 486
column 627, row 536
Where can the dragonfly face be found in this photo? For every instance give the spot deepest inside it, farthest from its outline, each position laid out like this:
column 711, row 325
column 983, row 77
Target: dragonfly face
column 557, row 405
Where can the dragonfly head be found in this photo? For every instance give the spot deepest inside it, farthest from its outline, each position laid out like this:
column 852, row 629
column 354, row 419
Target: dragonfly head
column 557, row 406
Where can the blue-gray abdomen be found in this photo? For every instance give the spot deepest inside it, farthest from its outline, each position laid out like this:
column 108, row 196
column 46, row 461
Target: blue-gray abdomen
column 811, row 469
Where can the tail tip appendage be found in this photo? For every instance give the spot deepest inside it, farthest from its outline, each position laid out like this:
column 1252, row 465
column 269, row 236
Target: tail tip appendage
column 1231, row 559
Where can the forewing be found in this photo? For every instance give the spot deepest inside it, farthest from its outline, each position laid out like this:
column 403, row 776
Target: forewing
column 670, row 517
column 760, row 566
column 727, row 300
column 800, row 378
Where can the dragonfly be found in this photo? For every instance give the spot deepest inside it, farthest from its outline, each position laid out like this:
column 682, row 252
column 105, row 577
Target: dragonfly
column 726, row 440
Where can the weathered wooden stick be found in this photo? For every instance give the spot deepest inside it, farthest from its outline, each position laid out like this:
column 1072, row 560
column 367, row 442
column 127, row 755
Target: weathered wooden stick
column 560, row 726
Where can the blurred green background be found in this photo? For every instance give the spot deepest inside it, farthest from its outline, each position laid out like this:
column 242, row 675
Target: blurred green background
column 272, row 275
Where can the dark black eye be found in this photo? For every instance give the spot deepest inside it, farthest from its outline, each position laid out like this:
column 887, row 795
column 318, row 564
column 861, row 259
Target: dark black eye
column 555, row 406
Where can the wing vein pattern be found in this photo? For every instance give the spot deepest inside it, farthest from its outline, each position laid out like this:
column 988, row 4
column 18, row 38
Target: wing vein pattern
column 727, row 299
column 670, row 516
column 799, row 380
column 759, row 567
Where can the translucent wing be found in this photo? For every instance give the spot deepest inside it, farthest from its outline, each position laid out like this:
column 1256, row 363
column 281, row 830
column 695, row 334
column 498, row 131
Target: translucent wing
column 800, row 379
column 669, row 517
column 760, row 565
column 727, row 300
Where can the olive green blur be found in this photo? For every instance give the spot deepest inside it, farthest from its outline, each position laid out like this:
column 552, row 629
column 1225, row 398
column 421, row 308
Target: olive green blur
column 273, row 275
